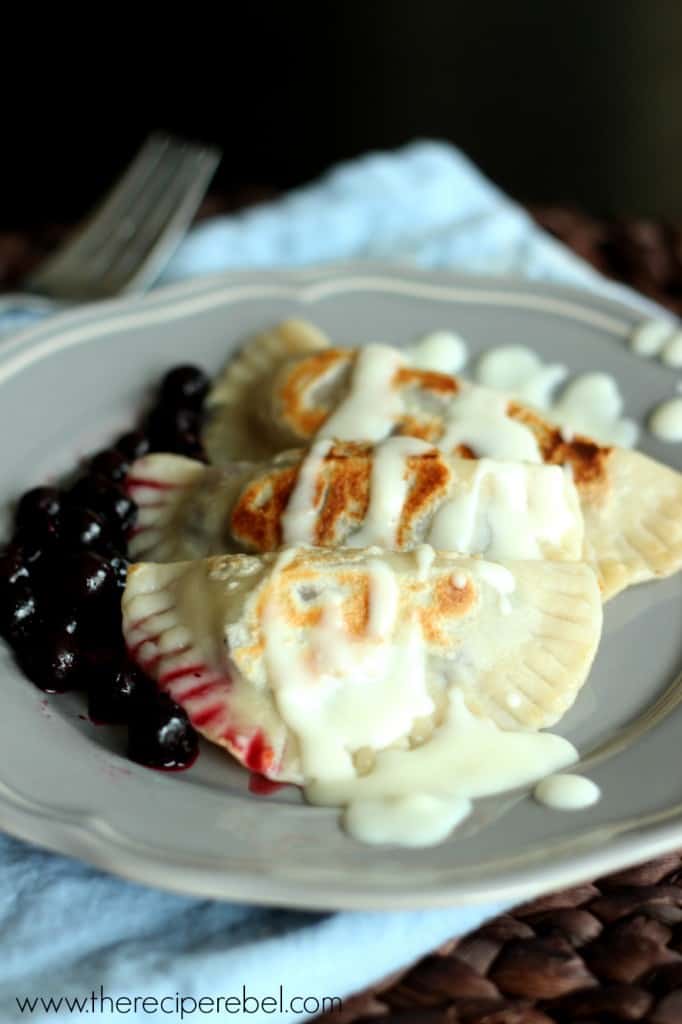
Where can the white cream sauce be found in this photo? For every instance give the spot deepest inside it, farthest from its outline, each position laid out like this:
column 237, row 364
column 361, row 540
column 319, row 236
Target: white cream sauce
column 500, row 579
column 672, row 351
column 477, row 417
column 496, row 576
column 665, row 422
column 465, row 758
column 371, row 407
column 591, row 404
column 383, row 601
column 508, row 510
column 441, row 351
column 340, row 693
column 424, row 556
column 660, row 338
column 417, row 820
column 500, row 509
column 520, row 372
column 649, row 337
column 298, row 520
column 567, row 792
column 389, row 485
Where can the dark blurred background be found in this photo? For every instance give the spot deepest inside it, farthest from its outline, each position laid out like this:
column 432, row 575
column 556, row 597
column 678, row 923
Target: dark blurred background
column 577, row 102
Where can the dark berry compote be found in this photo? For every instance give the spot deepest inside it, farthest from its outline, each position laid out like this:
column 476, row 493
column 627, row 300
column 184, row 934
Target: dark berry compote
column 64, row 569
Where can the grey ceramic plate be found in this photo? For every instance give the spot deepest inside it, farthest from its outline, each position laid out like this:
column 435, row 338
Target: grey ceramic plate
column 68, row 385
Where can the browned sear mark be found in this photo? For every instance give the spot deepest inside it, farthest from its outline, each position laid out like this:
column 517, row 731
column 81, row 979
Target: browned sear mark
column 346, row 473
column 294, row 390
column 447, row 602
column 427, row 380
column 426, row 428
column 588, row 459
column 257, row 515
column 353, row 609
column 430, row 478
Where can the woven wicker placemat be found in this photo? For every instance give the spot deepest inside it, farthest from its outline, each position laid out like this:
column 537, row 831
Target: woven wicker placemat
column 645, row 254
column 606, row 951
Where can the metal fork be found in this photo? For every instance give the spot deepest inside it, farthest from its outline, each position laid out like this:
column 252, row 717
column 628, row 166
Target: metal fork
column 128, row 239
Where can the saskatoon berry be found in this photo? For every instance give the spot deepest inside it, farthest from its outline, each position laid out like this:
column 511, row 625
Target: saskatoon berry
column 119, row 566
column 89, row 579
column 189, row 446
column 157, row 428
column 103, row 657
column 175, row 430
column 84, row 528
column 186, row 422
column 106, row 498
column 145, row 693
column 112, row 696
column 184, row 387
column 13, row 566
column 37, row 553
column 105, row 636
column 101, row 619
column 133, row 445
column 111, row 464
column 59, row 661
column 160, row 735
column 20, row 617
column 38, row 511
column 41, row 538
column 36, row 565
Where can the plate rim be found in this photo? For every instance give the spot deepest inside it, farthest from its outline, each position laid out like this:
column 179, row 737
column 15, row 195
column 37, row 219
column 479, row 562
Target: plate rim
column 87, row 835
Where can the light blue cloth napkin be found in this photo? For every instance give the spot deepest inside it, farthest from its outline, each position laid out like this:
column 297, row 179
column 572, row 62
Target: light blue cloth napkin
column 68, row 929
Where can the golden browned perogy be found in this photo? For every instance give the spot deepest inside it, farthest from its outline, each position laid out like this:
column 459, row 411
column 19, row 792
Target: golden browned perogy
column 286, row 387
column 230, row 638
column 397, row 494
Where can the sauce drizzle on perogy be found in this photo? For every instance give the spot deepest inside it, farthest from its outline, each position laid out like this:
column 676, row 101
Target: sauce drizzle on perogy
column 464, row 759
column 341, row 693
column 508, row 510
column 298, row 520
column 500, row 509
column 476, row 415
column 590, row 404
column 389, row 485
column 372, row 405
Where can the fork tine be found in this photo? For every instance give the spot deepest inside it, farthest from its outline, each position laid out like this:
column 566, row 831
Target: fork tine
column 157, row 195
column 110, row 210
column 107, row 244
column 116, row 206
column 162, row 224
